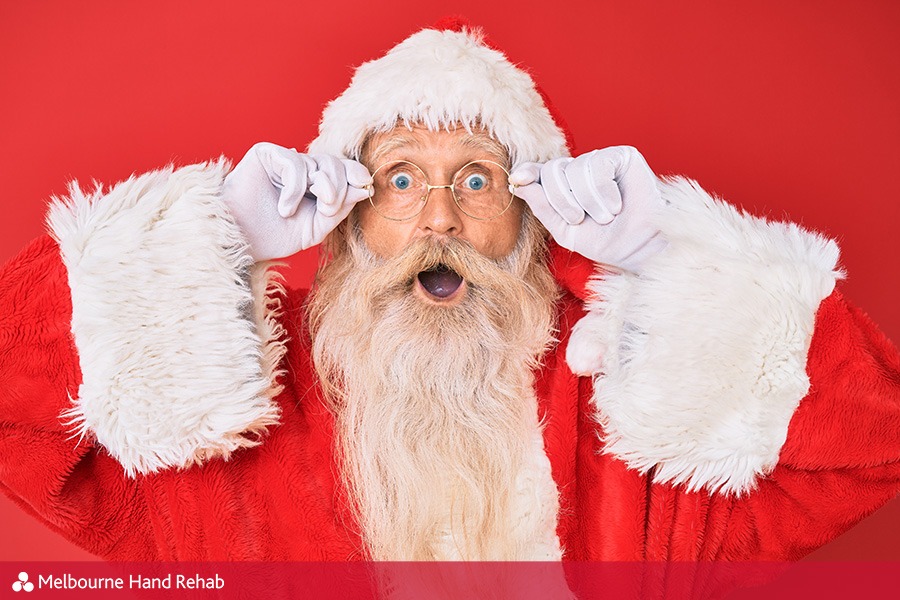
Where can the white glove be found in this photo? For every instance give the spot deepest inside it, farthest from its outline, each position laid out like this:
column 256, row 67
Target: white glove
column 285, row 201
column 597, row 205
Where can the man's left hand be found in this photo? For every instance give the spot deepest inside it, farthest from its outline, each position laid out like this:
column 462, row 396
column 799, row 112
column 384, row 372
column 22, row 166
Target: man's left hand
column 598, row 204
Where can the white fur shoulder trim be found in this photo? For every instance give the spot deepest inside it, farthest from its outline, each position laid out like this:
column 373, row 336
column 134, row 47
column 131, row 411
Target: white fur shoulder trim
column 700, row 362
column 174, row 325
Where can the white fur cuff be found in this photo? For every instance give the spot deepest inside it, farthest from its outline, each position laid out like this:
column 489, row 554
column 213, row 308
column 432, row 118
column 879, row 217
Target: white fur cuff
column 176, row 341
column 700, row 362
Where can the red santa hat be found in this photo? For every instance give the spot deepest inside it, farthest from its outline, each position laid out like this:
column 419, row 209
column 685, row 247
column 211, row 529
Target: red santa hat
column 443, row 77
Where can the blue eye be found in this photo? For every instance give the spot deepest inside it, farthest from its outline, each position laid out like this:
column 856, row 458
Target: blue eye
column 401, row 181
column 476, row 183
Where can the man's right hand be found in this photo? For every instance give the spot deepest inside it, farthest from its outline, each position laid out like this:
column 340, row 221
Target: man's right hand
column 285, row 201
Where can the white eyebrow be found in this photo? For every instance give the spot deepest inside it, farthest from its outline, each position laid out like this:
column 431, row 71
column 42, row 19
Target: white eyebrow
column 392, row 143
column 487, row 144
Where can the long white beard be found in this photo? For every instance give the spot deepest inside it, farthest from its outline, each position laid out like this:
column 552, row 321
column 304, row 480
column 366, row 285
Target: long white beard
column 436, row 416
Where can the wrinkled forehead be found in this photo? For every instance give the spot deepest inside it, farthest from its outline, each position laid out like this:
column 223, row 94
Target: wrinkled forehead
column 407, row 142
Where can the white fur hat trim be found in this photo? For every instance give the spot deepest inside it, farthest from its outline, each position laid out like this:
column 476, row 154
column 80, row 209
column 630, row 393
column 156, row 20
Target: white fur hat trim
column 441, row 79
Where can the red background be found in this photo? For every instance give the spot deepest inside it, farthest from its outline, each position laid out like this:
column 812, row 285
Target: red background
column 788, row 109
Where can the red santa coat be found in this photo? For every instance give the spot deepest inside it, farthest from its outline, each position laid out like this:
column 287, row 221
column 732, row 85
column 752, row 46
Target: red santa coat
column 121, row 492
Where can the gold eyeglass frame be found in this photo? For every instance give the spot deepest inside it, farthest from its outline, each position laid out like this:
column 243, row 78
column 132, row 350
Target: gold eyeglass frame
column 371, row 188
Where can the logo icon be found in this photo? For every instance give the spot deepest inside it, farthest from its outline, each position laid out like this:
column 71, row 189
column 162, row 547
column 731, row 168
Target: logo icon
column 22, row 584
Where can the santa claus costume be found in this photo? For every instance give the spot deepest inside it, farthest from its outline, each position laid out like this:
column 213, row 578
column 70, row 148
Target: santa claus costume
column 158, row 399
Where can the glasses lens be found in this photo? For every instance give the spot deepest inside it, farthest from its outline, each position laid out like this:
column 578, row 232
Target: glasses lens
column 482, row 189
column 400, row 189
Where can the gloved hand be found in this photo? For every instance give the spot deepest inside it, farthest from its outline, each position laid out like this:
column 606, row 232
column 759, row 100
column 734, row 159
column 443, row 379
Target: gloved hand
column 597, row 205
column 285, row 201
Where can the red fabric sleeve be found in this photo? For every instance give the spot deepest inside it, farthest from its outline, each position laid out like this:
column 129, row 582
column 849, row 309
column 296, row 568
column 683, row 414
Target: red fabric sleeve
column 571, row 270
column 70, row 485
column 841, row 460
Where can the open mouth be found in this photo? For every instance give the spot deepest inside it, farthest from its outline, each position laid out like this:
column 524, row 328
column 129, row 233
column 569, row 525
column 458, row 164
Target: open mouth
column 442, row 282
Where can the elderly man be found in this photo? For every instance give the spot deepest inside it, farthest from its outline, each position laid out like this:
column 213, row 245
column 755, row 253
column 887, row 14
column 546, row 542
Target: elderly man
column 667, row 379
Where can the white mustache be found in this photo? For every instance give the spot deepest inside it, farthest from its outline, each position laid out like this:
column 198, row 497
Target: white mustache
column 396, row 274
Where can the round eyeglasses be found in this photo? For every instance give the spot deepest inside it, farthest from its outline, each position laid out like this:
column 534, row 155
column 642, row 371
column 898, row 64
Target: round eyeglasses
column 481, row 190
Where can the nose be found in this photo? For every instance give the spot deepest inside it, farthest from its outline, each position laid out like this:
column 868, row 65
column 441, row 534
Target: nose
column 441, row 215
